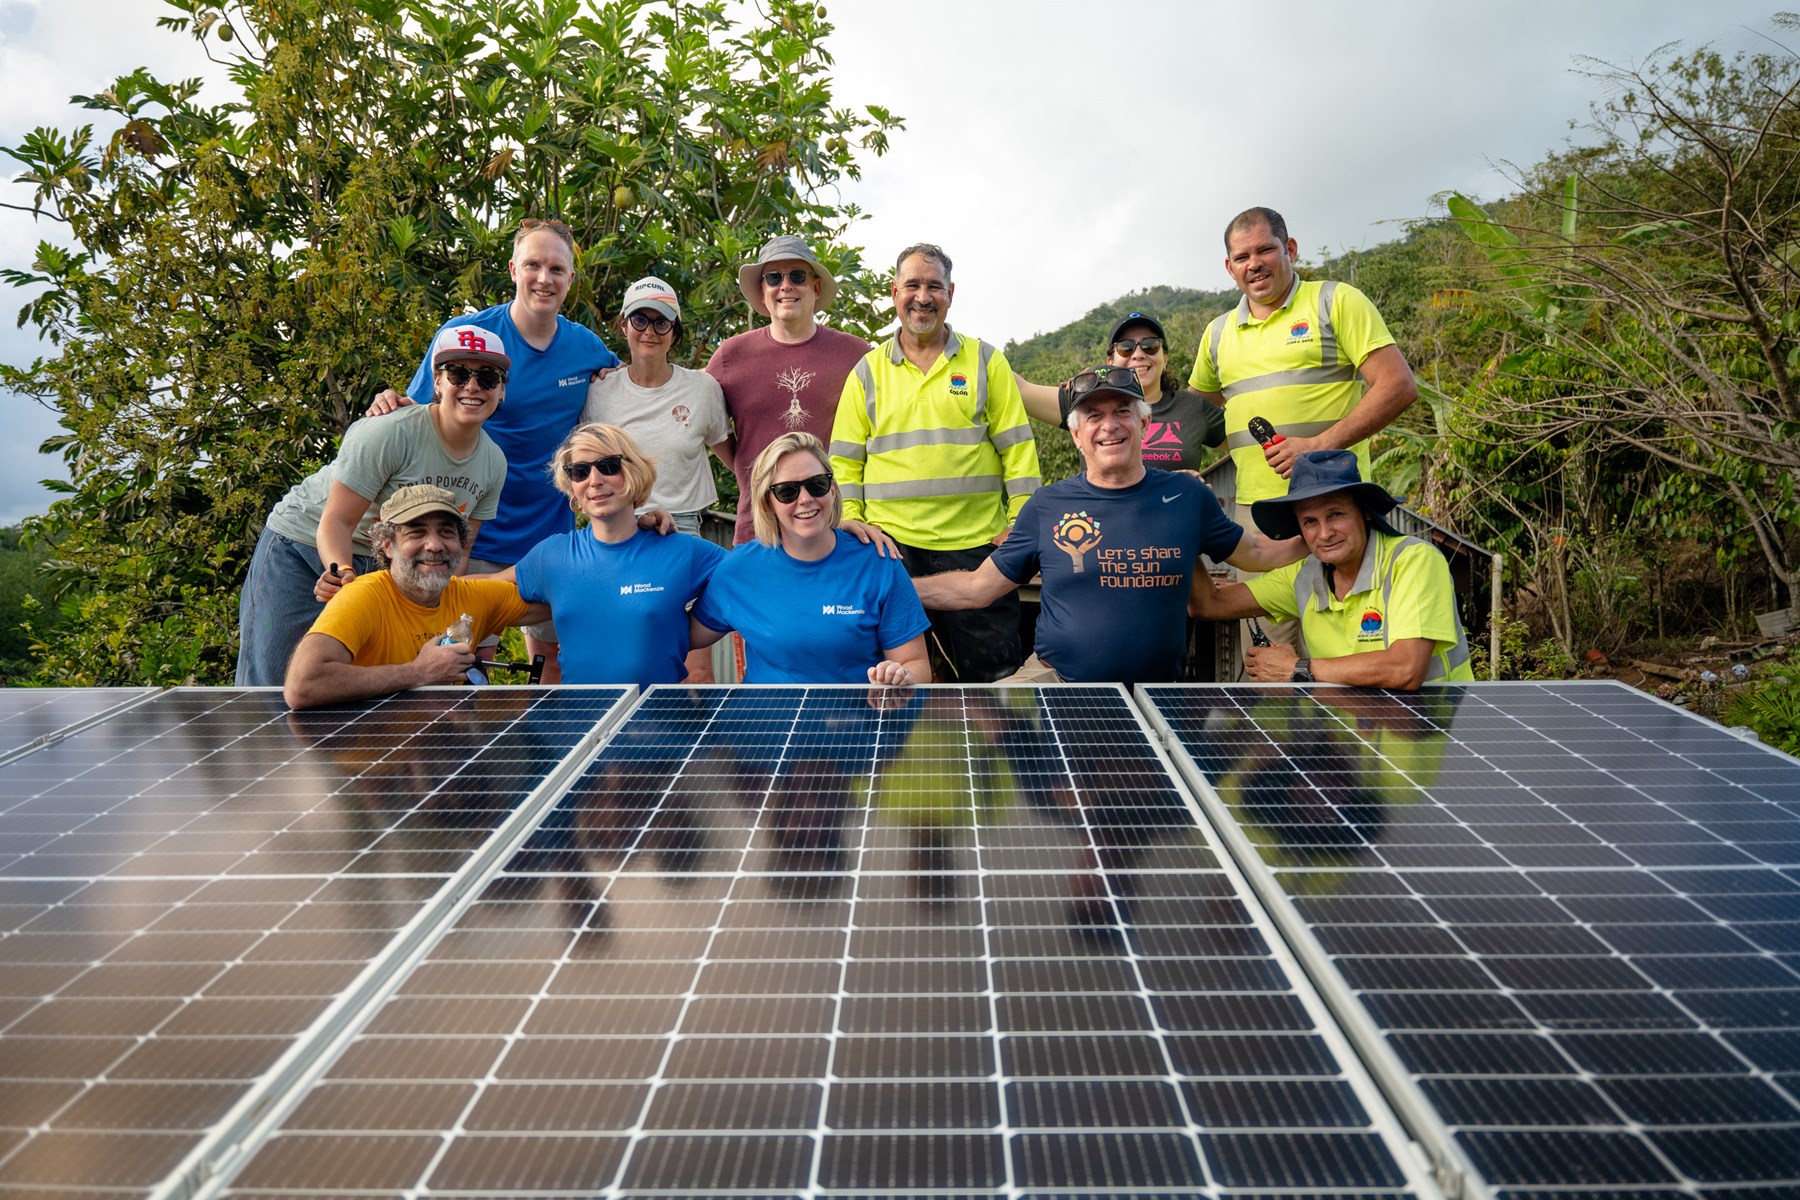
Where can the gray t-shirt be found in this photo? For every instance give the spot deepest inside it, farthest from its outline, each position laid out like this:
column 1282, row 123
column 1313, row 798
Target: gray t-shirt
column 381, row 455
column 674, row 424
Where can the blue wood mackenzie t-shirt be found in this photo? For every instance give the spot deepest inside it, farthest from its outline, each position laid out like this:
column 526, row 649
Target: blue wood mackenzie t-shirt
column 1116, row 564
column 812, row 622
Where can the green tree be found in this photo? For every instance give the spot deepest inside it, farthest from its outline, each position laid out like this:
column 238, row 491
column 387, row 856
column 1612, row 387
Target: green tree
column 1650, row 282
column 237, row 279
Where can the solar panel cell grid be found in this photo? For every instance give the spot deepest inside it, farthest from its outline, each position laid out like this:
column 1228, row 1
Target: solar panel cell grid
column 1584, row 986
column 195, row 880
column 778, row 942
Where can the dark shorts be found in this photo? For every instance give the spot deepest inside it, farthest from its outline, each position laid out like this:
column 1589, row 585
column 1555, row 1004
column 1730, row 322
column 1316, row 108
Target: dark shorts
column 977, row 645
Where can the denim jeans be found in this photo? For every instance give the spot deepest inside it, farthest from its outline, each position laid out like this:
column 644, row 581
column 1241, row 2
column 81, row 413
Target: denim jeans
column 276, row 607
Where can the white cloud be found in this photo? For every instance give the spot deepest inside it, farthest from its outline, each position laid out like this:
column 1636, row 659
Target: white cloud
column 1065, row 153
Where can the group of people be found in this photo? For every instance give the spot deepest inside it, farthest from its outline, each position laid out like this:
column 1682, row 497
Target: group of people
column 890, row 503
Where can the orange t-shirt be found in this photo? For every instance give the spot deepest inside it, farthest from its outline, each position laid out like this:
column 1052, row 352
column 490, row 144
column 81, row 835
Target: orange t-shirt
column 380, row 627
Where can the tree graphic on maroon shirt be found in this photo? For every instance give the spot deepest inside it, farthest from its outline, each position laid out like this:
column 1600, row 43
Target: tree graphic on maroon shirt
column 795, row 381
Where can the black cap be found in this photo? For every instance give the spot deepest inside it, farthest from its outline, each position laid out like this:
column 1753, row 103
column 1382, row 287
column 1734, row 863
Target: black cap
column 1137, row 318
column 1108, row 381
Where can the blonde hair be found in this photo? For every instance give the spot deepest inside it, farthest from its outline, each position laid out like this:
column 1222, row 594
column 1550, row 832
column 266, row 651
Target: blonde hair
column 639, row 469
column 762, row 478
column 557, row 229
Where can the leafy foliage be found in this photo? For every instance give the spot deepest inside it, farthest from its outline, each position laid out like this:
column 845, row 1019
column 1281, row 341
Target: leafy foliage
column 240, row 278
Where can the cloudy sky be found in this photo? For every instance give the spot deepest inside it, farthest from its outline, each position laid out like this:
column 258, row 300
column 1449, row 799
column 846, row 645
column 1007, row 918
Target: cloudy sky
column 1063, row 152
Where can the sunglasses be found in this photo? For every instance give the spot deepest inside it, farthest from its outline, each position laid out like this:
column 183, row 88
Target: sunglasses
column 641, row 321
column 1087, row 381
column 1149, row 345
column 797, row 276
column 486, row 378
column 530, row 223
column 816, row 487
column 606, row 464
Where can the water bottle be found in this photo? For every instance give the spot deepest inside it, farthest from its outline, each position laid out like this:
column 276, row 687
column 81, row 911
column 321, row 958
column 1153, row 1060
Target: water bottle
column 460, row 631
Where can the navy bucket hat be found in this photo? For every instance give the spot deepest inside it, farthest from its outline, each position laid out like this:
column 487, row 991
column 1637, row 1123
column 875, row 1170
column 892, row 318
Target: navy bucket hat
column 1320, row 473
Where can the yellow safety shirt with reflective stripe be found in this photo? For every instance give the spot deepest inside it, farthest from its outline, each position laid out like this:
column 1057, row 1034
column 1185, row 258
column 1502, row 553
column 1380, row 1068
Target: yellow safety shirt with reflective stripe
column 942, row 459
column 1402, row 590
column 1296, row 368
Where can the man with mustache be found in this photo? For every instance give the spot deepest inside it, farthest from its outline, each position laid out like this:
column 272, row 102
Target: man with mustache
column 931, row 443
column 391, row 630
column 1313, row 358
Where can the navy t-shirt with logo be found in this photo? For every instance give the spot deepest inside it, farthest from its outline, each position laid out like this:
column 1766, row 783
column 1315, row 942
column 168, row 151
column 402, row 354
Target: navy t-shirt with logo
column 812, row 622
column 1116, row 564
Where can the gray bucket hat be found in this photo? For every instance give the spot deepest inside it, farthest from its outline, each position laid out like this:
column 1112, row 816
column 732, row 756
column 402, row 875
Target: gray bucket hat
column 786, row 246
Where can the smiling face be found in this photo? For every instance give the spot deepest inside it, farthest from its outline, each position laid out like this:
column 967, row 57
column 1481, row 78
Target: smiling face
column 1333, row 528
column 601, row 497
column 1260, row 264
column 424, row 554
column 1149, row 366
column 922, row 293
column 466, row 404
column 809, row 517
column 542, row 268
column 1109, row 433
column 789, row 300
column 647, row 345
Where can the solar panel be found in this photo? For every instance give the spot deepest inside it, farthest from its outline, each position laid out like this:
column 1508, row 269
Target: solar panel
column 1570, row 913
column 192, row 885
column 779, row 942
column 34, row 717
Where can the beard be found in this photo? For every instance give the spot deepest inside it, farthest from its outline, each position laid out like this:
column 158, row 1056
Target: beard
column 416, row 581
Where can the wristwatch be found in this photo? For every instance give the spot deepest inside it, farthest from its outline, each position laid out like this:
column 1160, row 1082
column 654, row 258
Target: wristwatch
column 1302, row 671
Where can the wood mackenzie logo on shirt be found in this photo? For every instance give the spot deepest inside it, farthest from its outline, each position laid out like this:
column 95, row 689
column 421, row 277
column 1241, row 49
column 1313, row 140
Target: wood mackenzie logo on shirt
column 840, row 610
column 1120, row 566
column 638, row 589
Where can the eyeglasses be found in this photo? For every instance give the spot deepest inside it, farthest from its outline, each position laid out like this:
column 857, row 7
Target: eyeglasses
column 1087, row 381
column 797, row 276
column 1149, row 345
column 486, row 378
column 816, row 487
column 641, row 321
column 529, row 224
column 606, row 464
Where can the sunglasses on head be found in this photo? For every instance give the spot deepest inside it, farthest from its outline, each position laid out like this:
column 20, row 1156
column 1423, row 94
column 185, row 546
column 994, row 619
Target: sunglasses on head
column 816, row 487
column 606, row 464
column 487, row 378
column 1149, row 345
column 641, row 321
column 797, row 276
column 551, row 223
column 1087, row 381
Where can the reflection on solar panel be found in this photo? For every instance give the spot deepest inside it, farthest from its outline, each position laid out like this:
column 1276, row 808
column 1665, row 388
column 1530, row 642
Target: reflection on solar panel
column 778, row 942
column 32, row 717
column 190, row 884
column 1571, row 911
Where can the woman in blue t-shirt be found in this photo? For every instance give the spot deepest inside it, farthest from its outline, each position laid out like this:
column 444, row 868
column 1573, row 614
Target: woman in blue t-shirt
column 814, row 604
column 618, row 593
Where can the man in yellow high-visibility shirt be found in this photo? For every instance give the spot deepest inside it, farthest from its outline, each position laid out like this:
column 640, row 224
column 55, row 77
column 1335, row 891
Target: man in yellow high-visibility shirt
column 1313, row 358
column 1377, row 607
column 931, row 443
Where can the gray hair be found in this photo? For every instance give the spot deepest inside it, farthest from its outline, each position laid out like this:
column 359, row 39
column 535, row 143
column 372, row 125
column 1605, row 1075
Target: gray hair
column 1140, row 407
column 927, row 250
column 383, row 533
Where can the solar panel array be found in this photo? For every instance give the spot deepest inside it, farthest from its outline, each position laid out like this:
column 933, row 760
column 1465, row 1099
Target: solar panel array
column 190, row 885
column 1572, row 913
column 782, row 942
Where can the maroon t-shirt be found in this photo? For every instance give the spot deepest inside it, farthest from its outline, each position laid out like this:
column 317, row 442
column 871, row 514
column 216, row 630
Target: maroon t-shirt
column 772, row 388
